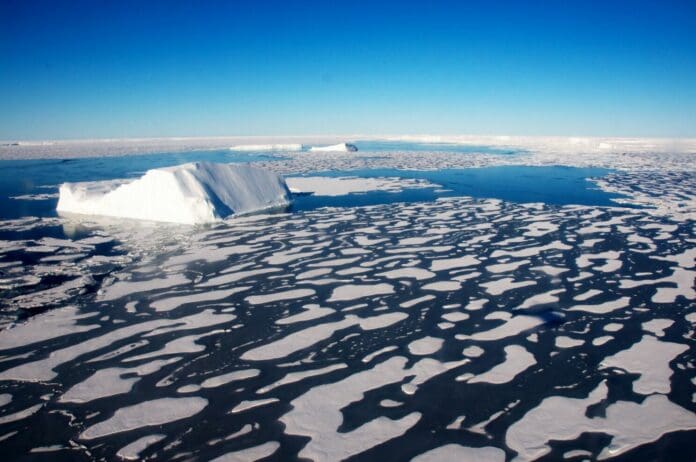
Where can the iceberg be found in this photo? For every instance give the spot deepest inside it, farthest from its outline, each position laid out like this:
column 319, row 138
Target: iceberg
column 342, row 147
column 193, row 193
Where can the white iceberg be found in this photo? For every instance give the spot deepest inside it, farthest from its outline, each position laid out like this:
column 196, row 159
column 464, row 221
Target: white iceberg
column 199, row 192
column 267, row 147
column 342, row 147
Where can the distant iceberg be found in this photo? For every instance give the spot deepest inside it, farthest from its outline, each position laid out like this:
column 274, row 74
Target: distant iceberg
column 199, row 192
column 267, row 147
column 343, row 147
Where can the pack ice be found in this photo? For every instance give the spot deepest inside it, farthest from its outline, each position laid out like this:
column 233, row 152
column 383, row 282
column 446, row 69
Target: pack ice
column 198, row 192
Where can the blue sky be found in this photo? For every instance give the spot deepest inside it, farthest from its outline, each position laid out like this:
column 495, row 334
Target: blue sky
column 85, row 69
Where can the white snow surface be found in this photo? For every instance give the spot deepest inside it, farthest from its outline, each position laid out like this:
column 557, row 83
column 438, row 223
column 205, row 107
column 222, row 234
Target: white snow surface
column 192, row 193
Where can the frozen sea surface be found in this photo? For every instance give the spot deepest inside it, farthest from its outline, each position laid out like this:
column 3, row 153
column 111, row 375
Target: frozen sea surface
column 439, row 328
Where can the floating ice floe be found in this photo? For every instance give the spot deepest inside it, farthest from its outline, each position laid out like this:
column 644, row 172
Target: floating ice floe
column 459, row 452
column 191, row 193
column 341, row 147
column 132, row 451
column 149, row 413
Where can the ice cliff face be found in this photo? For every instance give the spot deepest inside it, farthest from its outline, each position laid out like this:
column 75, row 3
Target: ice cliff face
column 199, row 192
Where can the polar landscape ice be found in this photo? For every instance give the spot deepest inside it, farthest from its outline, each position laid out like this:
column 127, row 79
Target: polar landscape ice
column 192, row 193
column 439, row 329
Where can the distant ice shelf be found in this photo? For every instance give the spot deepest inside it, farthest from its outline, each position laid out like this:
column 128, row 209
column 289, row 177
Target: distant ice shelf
column 342, row 147
column 267, row 147
column 193, row 193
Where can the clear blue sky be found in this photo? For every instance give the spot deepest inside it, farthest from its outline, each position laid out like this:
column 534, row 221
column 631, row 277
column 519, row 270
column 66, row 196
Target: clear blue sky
column 82, row 69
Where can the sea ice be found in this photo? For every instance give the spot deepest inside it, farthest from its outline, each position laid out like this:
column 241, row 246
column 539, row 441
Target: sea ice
column 354, row 291
column 133, row 450
column 156, row 412
column 562, row 418
column 293, row 377
column 461, row 453
column 259, row 452
column 317, row 414
column 517, row 360
column 425, row 346
column 650, row 358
